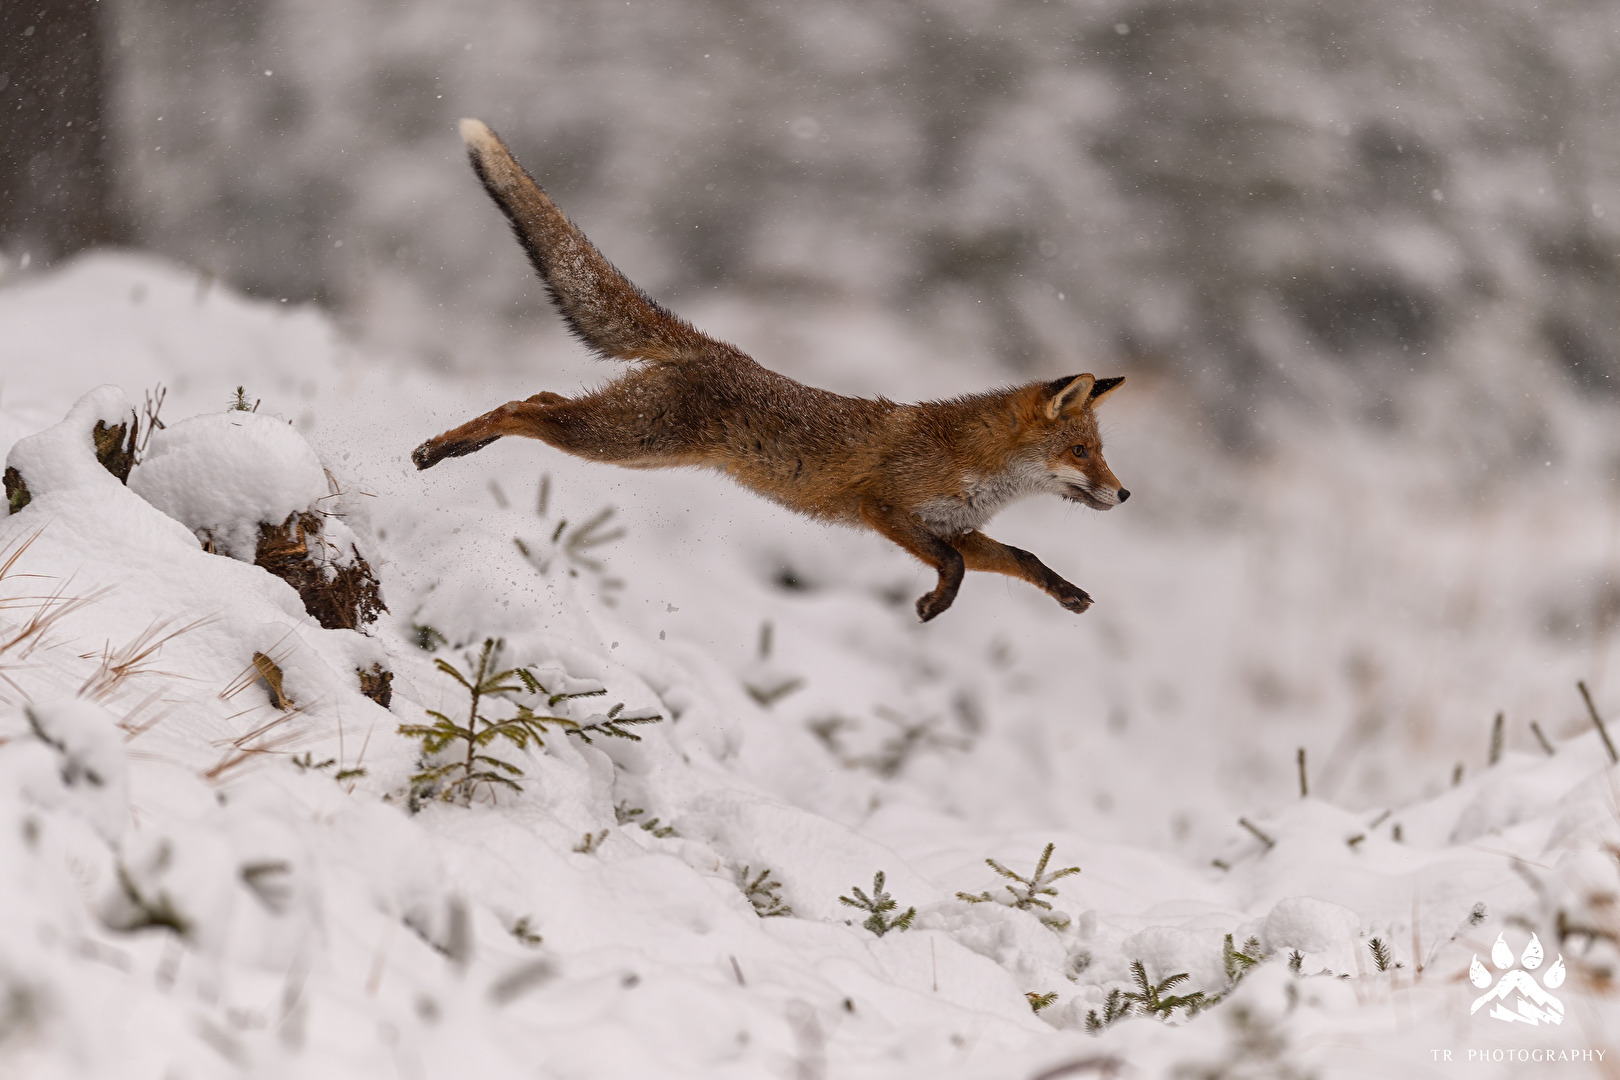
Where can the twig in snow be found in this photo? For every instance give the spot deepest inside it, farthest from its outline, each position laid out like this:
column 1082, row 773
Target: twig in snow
column 1257, row 833
column 1535, row 729
column 1597, row 722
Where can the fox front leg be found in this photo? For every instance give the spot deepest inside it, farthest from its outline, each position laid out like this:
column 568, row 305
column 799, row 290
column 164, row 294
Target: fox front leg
column 909, row 533
column 982, row 553
column 509, row 419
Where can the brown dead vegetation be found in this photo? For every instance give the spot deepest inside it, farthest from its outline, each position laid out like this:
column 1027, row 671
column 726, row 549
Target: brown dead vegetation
column 115, row 449
column 377, row 684
column 338, row 595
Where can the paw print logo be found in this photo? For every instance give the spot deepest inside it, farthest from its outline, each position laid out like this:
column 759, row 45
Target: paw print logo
column 1530, row 1003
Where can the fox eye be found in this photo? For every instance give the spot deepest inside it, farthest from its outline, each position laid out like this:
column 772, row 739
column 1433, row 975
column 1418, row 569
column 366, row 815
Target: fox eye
column 1082, row 453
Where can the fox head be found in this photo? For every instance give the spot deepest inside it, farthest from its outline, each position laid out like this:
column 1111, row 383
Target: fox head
column 1071, row 446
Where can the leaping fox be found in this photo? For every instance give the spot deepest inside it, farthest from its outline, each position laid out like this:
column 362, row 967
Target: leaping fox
column 926, row 476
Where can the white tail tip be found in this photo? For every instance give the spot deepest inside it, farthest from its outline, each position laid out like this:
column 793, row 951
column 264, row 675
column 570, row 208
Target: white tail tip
column 475, row 133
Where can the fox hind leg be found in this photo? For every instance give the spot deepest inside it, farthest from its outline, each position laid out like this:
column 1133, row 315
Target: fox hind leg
column 513, row 418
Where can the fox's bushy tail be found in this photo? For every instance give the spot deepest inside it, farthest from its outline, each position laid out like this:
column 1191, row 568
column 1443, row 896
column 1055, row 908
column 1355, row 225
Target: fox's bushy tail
column 601, row 306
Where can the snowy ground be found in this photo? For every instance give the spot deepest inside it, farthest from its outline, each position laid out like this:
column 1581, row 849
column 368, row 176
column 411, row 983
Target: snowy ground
column 199, row 883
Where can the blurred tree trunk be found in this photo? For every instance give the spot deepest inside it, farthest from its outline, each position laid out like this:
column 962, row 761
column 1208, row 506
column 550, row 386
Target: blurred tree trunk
column 55, row 187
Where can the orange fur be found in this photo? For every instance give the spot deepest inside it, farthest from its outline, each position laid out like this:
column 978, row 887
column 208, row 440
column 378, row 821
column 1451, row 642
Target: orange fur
column 926, row 476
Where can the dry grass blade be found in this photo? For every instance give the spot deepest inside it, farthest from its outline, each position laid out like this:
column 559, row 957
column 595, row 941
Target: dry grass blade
column 128, row 661
column 11, row 563
column 262, row 740
column 134, row 724
column 48, row 612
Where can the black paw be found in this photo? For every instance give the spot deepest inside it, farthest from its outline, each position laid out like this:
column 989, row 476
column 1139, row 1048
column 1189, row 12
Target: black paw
column 931, row 604
column 1072, row 598
column 427, row 455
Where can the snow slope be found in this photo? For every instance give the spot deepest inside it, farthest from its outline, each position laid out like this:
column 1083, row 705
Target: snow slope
column 198, row 883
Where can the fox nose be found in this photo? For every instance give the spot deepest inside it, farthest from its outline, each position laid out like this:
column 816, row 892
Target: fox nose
column 1123, row 494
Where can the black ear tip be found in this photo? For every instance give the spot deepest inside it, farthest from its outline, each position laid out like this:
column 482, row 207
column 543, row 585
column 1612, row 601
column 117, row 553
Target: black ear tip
column 1102, row 386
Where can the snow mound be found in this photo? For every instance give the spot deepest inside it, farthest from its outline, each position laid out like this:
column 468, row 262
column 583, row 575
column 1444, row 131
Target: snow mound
column 222, row 475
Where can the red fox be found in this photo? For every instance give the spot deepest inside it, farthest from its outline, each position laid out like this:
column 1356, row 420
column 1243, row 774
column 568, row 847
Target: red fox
column 925, row 476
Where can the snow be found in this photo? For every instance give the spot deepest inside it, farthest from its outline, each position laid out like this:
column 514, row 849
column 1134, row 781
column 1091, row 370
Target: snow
column 196, row 882
column 220, row 474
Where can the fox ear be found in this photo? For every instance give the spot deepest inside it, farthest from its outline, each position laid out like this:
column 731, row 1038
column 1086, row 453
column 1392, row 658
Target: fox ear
column 1104, row 387
column 1068, row 394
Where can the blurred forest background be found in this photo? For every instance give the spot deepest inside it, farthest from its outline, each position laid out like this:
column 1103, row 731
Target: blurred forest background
column 1396, row 210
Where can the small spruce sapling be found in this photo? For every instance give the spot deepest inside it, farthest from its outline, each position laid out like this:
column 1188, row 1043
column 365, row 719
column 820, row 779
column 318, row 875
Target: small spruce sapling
column 457, row 780
column 1150, row 997
column 627, row 815
column 1382, row 955
column 1037, row 1002
column 614, row 724
column 576, row 545
column 763, row 892
column 879, row 904
column 1115, row 1007
column 306, row 762
column 427, row 638
column 1027, row 893
column 1237, row 963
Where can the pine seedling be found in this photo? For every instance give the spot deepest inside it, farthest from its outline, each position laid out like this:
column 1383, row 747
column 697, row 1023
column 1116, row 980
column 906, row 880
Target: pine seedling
column 146, row 912
column 763, row 892
column 457, row 780
column 766, row 686
column 576, row 545
column 240, row 402
column 627, row 814
column 879, row 904
column 1027, row 892
column 909, row 736
column 1382, row 956
column 1296, row 962
column 1037, row 1002
column 614, row 724
column 306, row 762
column 1150, row 997
column 1237, row 963
column 427, row 639
column 525, row 932
column 1116, row 1007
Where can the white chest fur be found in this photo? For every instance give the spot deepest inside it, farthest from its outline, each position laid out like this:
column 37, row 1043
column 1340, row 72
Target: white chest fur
column 983, row 498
